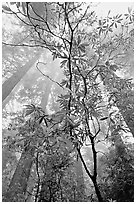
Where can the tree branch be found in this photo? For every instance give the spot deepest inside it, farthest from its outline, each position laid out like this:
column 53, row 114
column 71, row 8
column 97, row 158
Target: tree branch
column 84, row 164
column 47, row 75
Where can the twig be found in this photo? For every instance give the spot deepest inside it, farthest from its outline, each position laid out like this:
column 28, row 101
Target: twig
column 47, row 75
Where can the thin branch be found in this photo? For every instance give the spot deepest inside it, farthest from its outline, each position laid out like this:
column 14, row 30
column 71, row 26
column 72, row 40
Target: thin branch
column 93, row 68
column 74, row 8
column 37, row 171
column 81, row 18
column 23, row 45
column 84, row 164
column 66, row 14
column 47, row 75
column 99, row 129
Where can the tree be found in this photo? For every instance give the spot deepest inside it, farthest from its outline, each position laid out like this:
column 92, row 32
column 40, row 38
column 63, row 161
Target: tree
column 18, row 184
column 117, row 174
column 9, row 84
column 85, row 55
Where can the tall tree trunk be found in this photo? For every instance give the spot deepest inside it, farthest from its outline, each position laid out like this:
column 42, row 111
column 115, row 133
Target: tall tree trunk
column 18, row 185
column 127, row 110
column 44, row 103
column 10, row 83
column 80, row 181
column 125, row 102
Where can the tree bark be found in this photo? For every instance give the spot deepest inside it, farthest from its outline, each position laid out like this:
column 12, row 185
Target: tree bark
column 10, row 83
column 18, row 185
column 100, row 199
column 80, row 181
column 126, row 111
column 125, row 102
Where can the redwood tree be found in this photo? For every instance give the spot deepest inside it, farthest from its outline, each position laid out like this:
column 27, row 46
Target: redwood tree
column 84, row 55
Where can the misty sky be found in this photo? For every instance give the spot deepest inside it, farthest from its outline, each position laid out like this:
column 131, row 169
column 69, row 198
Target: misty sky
column 102, row 8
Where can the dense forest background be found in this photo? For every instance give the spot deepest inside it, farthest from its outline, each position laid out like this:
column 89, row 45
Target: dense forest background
column 68, row 103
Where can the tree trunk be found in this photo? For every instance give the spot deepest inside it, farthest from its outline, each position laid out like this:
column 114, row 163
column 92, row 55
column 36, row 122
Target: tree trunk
column 80, row 181
column 18, row 185
column 126, row 111
column 44, row 103
column 100, row 199
column 10, row 83
column 125, row 102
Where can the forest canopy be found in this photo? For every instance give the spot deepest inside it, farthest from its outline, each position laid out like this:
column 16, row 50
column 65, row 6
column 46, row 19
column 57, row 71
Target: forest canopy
column 68, row 103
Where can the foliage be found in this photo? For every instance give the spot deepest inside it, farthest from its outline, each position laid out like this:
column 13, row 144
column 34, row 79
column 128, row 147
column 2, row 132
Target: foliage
column 91, row 51
column 53, row 158
column 117, row 174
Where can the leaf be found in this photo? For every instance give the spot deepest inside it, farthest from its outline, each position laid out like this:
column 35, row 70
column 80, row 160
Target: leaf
column 28, row 112
column 24, row 7
column 100, row 31
column 129, row 10
column 18, row 4
column 120, row 16
column 105, row 118
column 41, row 119
column 112, row 120
column 45, row 122
column 110, row 98
column 65, row 55
column 119, row 21
column 64, row 82
column 111, row 25
column 6, row 8
column 100, row 22
column 29, row 109
column 68, row 64
column 92, row 13
column 52, row 48
column 12, row 3
column 82, row 48
column 84, row 44
column 109, row 12
column 79, row 39
column 66, row 96
column 28, row 106
column 77, row 88
column 124, row 130
column 112, row 113
column 54, row 56
column 63, row 63
column 110, row 30
column 113, row 67
column 107, row 63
